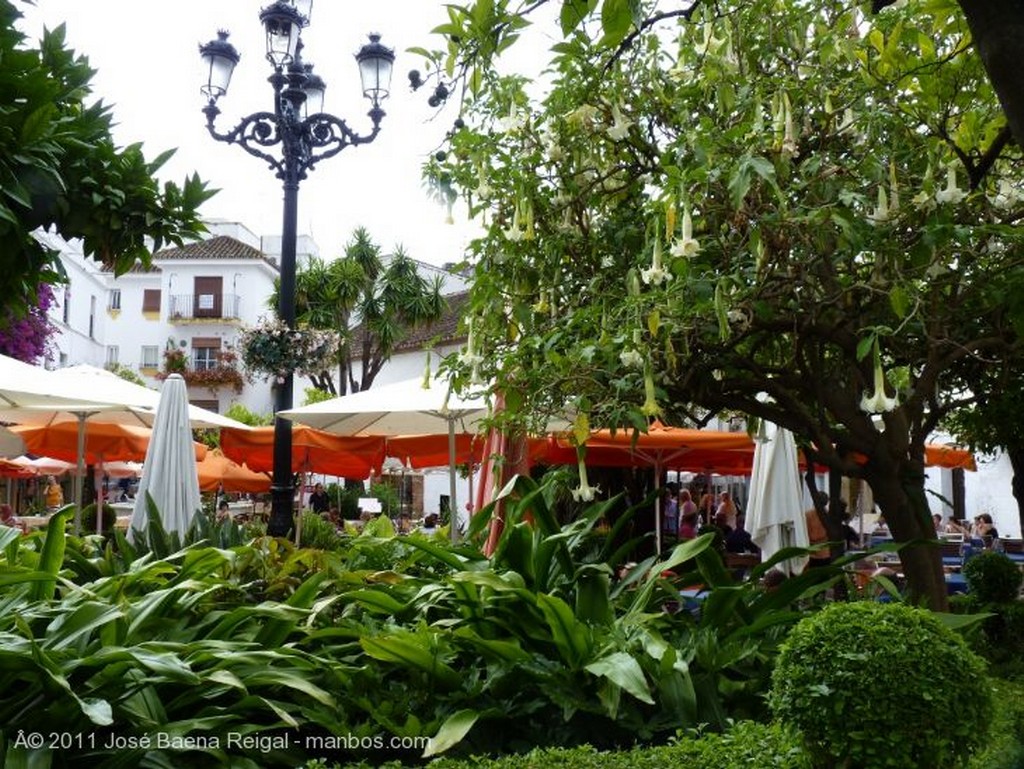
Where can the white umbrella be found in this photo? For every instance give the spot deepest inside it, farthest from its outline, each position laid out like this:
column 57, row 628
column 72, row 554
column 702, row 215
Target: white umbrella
column 400, row 408
column 775, row 514
column 169, row 473
column 23, row 385
column 83, row 393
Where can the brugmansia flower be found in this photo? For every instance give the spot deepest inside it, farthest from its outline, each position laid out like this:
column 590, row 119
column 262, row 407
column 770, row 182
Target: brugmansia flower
column 584, row 492
column 515, row 232
column 1007, row 196
column 513, row 121
column 425, row 384
column 881, row 212
column 650, row 407
column 631, row 359
column 470, row 357
column 952, row 193
column 685, row 245
column 619, row 129
column 878, row 402
column 483, row 188
column 656, row 274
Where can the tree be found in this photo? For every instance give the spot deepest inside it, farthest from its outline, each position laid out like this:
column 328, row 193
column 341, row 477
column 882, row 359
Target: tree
column 757, row 210
column 370, row 304
column 60, row 169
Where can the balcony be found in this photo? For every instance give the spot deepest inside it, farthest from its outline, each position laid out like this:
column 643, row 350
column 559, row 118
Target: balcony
column 204, row 308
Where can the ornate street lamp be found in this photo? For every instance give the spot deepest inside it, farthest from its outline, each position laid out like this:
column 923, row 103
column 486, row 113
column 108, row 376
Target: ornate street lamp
column 292, row 140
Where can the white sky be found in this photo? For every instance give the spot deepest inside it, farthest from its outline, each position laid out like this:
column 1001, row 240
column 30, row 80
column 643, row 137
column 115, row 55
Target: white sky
column 146, row 54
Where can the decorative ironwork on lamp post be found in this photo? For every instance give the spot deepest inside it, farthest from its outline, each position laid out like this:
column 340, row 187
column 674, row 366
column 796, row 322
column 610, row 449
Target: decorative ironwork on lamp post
column 292, row 140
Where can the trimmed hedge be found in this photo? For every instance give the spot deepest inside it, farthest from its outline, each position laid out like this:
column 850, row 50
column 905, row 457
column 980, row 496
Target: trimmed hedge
column 882, row 685
column 748, row 745
column 992, row 577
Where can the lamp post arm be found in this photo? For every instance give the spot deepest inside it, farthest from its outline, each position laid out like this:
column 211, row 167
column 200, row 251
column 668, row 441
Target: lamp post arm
column 325, row 136
column 261, row 129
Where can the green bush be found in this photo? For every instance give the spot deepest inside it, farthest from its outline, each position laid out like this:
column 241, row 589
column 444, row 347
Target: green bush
column 992, row 577
column 89, row 519
column 748, row 745
column 318, row 532
column 881, row 685
column 1004, row 748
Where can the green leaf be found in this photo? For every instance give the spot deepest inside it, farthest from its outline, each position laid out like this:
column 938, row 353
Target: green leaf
column 623, row 670
column 616, row 21
column 572, row 637
column 573, row 13
column 454, row 728
column 411, row 652
column 52, row 557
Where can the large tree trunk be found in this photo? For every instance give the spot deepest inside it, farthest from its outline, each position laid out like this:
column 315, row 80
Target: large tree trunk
column 1016, row 455
column 899, row 492
column 997, row 27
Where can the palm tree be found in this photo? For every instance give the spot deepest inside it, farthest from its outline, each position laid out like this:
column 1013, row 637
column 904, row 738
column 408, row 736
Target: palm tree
column 379, row 300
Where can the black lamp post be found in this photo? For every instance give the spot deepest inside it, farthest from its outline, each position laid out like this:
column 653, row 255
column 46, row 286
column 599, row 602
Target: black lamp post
column 306, row 136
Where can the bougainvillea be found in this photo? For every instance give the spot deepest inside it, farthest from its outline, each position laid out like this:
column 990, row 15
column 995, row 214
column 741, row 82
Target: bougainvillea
column 27, row 336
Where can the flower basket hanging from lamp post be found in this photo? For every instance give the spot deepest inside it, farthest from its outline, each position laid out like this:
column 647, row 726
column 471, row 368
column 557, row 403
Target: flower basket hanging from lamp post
column 273, row 351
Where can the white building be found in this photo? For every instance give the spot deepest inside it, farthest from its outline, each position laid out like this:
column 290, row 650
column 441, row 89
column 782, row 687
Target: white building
column 194, row 300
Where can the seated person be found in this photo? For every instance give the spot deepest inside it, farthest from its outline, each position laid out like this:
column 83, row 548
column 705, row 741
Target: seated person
column 223, row 511
column 8, row 518
column 985, row 529
column 429, row 523
column 738, row 540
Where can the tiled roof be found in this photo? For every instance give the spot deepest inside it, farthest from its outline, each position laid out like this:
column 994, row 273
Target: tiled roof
column 444, row 331
column 139, row 268
column 219, row 247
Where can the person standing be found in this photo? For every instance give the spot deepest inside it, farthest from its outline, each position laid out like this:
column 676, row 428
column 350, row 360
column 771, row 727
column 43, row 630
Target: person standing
column 319, row 501
column 726, row 508
column 53, row 495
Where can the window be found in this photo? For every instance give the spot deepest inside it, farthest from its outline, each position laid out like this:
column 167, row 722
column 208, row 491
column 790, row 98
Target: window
column 92, row 317
column 150, row 356
column 67, row 305
column 151, row 300
column 114, row 299
column 205, row 350
column 213, row 406
column 112, row 355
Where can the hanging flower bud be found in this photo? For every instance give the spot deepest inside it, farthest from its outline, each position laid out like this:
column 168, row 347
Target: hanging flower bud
column 650, row 407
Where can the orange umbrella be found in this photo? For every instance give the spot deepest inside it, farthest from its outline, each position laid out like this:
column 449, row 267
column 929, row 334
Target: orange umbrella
column 312, row 451
column 10, row 469
column 432, row 450
column 684, row 449
column 104, row 441
column 216, row 471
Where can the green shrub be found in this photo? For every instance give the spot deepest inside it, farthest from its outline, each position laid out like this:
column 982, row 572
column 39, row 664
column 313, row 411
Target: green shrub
column 992, row 577
column 89, row 519
column 318, row 532
column 1004, row 748
column 748, row 745
column 881, row 685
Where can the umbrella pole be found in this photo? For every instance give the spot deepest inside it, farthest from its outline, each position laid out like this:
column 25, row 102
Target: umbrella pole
column 80, row 474
column 100, row 496
column 657, row 506
column 453, row 508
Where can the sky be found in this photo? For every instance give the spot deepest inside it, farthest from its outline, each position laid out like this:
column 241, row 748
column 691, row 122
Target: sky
column 148, row 68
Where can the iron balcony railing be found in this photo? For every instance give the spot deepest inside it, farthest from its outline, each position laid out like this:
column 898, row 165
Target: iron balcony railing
column 198, row 307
